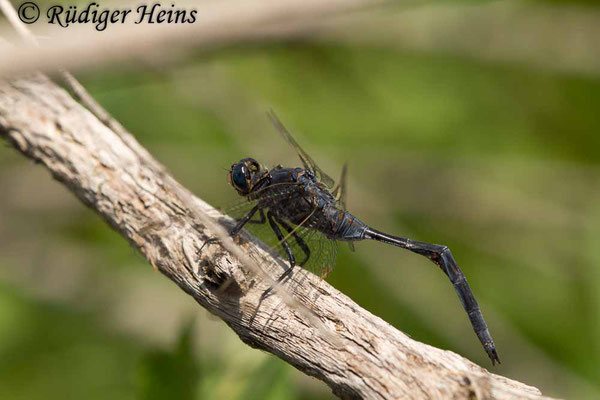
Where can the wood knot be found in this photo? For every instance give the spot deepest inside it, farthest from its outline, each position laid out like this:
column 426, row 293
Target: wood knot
column 217, row 280
column 471, row 393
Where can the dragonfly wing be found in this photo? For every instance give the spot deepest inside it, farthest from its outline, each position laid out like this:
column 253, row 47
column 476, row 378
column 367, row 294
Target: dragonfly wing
column 340, row 194
column 322, row 251
column 307, row 161
column 258, row 225
column 272, row 193
column 311, row 249
column 340, row 190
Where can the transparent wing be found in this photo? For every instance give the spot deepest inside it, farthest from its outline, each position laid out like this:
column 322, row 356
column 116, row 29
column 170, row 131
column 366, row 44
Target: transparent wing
column 272, row 193
column 340, row 190
column 340, row 194
column 311, row 249
column 307, row 161
column 323, row 251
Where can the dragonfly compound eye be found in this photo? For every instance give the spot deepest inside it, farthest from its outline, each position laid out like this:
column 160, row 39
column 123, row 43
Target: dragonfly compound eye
column 239, row 175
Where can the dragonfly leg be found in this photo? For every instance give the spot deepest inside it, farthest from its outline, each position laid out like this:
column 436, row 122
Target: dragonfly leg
column 442, row 257
column 287, row 249
column 301, row 243
column 262, row 219
column 240, row 224
column 281, row 238
column 207, row 242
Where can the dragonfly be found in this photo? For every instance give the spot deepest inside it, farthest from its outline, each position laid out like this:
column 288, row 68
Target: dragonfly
column 300, row 213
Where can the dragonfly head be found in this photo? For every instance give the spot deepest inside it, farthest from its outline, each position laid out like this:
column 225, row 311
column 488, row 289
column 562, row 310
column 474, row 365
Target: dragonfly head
column 241, row 175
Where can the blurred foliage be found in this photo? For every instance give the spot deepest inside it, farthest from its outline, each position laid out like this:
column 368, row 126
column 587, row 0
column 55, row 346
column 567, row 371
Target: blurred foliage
column 49, row 351
column 499, row 162
column 170, row 374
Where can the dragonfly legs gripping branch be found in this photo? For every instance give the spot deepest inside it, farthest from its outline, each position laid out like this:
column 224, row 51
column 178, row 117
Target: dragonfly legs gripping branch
column 275, row 223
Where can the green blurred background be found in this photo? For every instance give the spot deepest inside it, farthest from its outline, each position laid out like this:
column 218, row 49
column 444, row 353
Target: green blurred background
column 490, row 147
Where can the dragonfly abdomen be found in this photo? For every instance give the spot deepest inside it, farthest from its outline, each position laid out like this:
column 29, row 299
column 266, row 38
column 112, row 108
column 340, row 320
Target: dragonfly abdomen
column 346, row 227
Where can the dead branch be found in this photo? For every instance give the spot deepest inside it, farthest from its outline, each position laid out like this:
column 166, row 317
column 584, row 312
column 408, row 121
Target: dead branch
column 367, row 359
column 559, row 37
column 217, row 23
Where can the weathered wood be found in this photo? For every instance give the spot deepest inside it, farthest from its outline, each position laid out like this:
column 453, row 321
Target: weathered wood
column 217, row 23
column 356, row 353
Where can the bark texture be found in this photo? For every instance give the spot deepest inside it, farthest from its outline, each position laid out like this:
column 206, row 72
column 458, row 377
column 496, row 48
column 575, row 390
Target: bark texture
column 357, row 354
